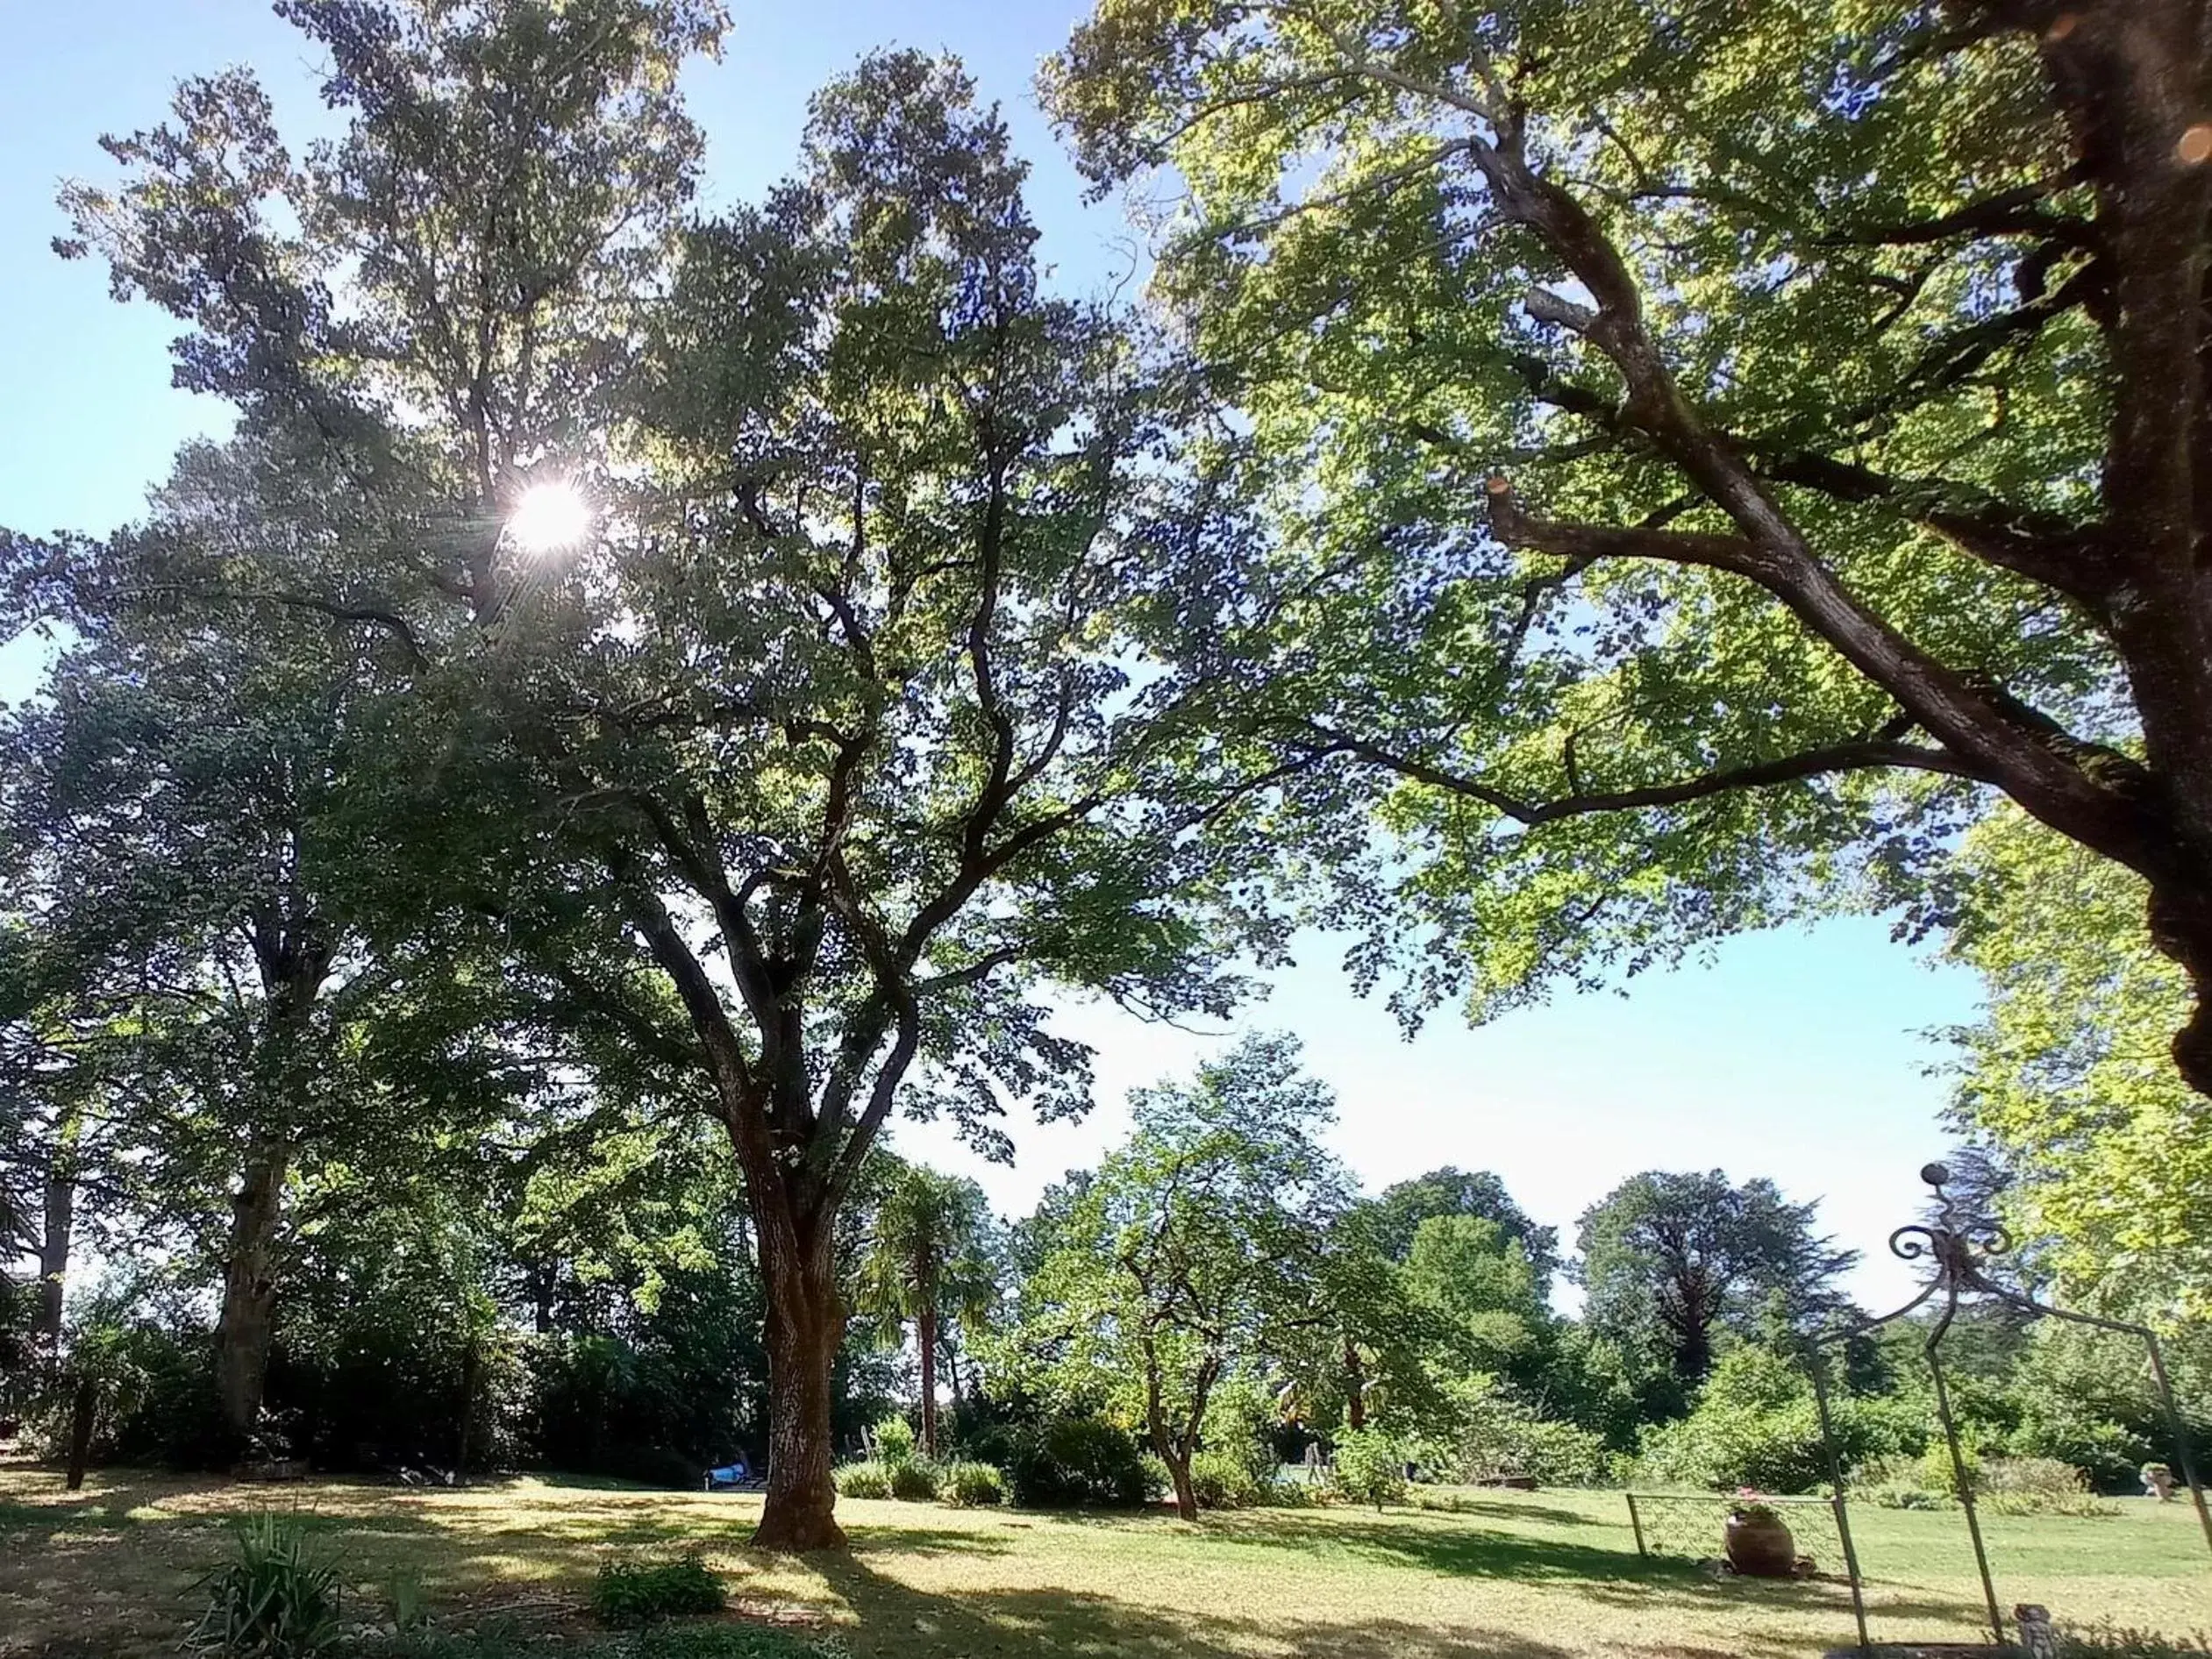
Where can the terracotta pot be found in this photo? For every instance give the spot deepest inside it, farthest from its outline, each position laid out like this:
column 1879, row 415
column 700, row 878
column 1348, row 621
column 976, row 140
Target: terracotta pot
column 1760, row 1547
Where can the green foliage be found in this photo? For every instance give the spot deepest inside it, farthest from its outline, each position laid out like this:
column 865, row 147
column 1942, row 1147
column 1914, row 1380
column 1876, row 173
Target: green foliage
column 1396, row 1215
column 871, row 1478
column 1484, row 1305
column 1672, row 1261
column 1195, row 1243
column 893, row 1438
column 2119, row 1642
column 1371, row 1467
column 1756, row 1424
column 2068, row 1075
column 1239, row 1425
column 1397, row 235
column 1078, row 1461
column 279, row 1599
column 914, row 1480
column 1225, row 1480
column 967, row 1484
column 627, row 1594
column 2037, row 1486
column 1490, row 1433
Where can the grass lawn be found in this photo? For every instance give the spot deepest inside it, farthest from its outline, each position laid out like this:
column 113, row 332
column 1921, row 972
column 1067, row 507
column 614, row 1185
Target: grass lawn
column 1517, row 1576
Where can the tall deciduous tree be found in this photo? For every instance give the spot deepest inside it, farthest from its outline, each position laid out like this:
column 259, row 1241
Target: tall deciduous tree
column 854, row 678
column 1671, row 1260
column 1718, row 441
column 1394, row 1214
column 927, row 1261
column 1197, row 1245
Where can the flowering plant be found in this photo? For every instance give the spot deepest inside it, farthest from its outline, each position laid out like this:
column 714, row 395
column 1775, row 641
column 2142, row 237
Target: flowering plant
column 1751, row 1505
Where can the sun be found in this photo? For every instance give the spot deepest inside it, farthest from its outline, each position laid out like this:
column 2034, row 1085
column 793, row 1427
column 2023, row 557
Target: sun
column 549, row 516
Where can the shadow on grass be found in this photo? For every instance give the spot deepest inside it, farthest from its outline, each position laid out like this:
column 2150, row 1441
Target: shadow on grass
column 1436, row 1545
column 898, row 1621
column 1506, row 1510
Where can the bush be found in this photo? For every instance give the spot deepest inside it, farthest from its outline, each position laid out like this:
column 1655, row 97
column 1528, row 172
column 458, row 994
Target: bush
column 1221, row 1479
column 1239, row 1425
column 1493, row 1435
column 969, row 1484
column 1157, row 1482
column 1371, row 1467
column 1897, row 1482
column 1071, row 1462
column 1756, row 1424
column 2037, row 1486
column 629, row 1594
column 895, row 1442
column 2114, row 1641
column 913, row 1481
column 869, row 1480
column 278, row 1601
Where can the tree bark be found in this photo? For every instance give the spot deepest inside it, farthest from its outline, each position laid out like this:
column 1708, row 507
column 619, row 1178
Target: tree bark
column 249, row 1290
column 53, row 1260
column 1355, row 1386
column 805, row 1325
column 471, row 1369
column 84, row 1410
column 925, row 1335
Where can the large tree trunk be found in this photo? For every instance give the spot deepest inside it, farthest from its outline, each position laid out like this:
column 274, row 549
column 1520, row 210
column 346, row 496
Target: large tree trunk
column 804, row 1327
column 2181, row 928
column 84, row 1411
column 925, row 1335
column 53, row 1259
column 1355, row 1386
column 249, row 1290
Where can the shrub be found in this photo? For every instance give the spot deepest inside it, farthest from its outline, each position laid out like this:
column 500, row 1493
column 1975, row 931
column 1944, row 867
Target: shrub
column 2032, row 1477
column 1756, row 1424
column 2038, row 1486
column 631, row 1593
column 1157, row 1482
column 870, row 1479
column 278, row 1601
column 2114, row 1641
column 895, row 1442
column 1371, row 1467
column 1221, row 1479
column 913, row 1481
column 1239, row 1425
column 969, row 1484
column 1897, row 1482
column 1069, row 1462
column 1492, row 1434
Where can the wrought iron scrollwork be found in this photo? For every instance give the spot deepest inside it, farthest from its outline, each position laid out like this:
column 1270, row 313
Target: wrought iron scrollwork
column 1959, row 1247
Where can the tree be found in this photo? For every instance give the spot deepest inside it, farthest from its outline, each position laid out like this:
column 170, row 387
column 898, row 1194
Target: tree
column 1397, row 1213
column 851, row 675
column 926, row 1262
column 1480, row 1291
column 1716, row 444
column 1195, row 1250
column 2067, row 1077
column 1670, row 1260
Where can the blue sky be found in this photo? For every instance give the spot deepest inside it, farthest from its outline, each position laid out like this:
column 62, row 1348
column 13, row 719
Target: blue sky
column 1796, row 1055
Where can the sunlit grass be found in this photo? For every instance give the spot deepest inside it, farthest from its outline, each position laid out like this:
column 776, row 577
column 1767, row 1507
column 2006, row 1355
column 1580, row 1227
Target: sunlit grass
column 1519, row 1576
